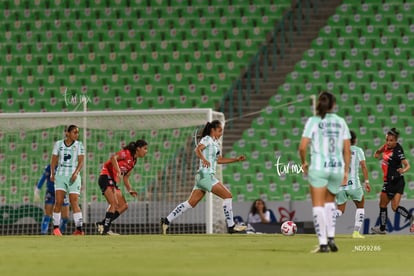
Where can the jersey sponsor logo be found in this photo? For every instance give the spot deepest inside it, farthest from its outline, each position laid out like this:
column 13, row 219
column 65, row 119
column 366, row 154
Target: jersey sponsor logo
column 323, row 125
column 332, row 164
column 67, row 157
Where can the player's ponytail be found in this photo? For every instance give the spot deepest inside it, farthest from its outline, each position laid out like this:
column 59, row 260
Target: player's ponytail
column 353, row 137
column 131, row 147
column 325, row 103
column 209, row 126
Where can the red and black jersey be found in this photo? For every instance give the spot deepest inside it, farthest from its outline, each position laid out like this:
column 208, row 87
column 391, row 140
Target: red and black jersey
column 126, row 163
column 391, row 161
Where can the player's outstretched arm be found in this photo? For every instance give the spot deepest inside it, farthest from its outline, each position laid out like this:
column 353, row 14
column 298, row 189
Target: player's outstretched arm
column 223, row 160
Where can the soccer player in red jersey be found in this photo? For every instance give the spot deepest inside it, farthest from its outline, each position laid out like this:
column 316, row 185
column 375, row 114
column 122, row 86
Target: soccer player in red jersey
column 394, row 165
column 119, row 166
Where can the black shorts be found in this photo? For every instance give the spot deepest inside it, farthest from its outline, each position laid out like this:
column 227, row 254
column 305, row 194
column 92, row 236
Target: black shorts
column 393, row 187
column 106, row 182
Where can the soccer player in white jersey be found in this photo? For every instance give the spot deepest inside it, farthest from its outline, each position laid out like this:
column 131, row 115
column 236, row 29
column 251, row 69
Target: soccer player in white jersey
column 208, row 150
column 353, row 189
column 328, row 136
column 67, row 157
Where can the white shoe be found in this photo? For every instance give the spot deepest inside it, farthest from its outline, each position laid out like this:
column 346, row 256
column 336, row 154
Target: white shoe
column 164, row 225
column 99, row 227
column 112, row 233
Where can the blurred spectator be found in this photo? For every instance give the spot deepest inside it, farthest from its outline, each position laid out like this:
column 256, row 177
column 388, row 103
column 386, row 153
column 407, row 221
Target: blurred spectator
column 259, row 213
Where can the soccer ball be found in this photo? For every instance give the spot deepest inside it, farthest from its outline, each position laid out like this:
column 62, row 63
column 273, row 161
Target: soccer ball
column 288, row 228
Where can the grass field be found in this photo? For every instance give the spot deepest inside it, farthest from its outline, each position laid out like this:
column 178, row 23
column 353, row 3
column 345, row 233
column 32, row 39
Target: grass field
column 254, row 255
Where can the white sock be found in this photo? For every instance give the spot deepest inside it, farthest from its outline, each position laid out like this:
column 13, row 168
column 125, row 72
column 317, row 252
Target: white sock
column 330, row 212
column 359, row 218
column 228, row 211
column 77, row 218
column 320, row 224
column 338, row 213
column 56, row 219
column 179, row 210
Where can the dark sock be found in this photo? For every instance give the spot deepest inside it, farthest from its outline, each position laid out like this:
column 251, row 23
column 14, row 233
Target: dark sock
column 107, row 221
column 116, row 215
column 383, row 218
column 403, row 212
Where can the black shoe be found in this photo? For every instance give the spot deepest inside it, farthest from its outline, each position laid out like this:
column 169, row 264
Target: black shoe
column 323, row 248
column 237, row 228
column 332, row 245
column 164, row 224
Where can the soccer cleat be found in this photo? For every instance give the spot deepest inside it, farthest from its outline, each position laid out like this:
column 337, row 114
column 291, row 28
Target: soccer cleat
column 377, row 230
column 78, row 233
column 164, row 225
column 332, row 245
column 110, row 233
column 412, row 224
column 323, row 248
column 99, row 227
column 56, row 232
column 237, row 228
column 357, row 235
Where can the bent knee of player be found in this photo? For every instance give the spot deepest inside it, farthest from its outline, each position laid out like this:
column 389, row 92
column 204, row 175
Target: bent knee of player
column 124, row 207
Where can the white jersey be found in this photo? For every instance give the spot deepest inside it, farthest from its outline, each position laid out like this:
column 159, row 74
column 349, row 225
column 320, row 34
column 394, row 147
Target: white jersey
column 357, row 155
column 67, row 156
column 256, row 217
column 327, row 137
column 211, row 152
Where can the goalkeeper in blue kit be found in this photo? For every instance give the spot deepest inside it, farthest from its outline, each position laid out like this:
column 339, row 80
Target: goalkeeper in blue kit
column 50, row 202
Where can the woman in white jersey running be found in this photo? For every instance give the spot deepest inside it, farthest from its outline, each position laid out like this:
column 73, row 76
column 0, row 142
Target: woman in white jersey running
column 329, row 140
column 67, row 157
column 208, row 150
column 353, row 189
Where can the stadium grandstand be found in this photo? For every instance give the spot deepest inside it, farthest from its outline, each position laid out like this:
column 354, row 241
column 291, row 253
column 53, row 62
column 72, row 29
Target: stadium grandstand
column 257, row 62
